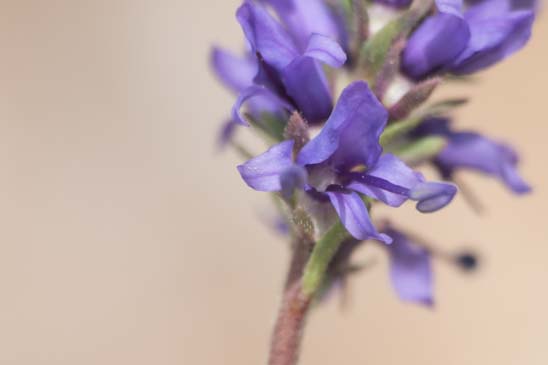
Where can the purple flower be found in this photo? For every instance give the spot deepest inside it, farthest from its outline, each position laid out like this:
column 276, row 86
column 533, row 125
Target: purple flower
column 460, row 42
column 289, row 70
column 344, row 161
column 410, row 269
column 468, row 150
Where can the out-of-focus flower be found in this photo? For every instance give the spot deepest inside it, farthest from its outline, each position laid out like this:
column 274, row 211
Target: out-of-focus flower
column 469, row 150
column 463, row 42
column 289, row 72
column 410, row 269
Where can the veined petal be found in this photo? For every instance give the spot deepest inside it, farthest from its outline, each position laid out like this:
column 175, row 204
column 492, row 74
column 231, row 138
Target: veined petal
column 410, row 270
column 305, row 81
column 264, row 171
column 326, row 50
column 305, row 17
column 267, row 98
column 235, row 72
column 266, row 35
column 392, row 170
column 351, row 134
column 354, row 216
column 432, row 196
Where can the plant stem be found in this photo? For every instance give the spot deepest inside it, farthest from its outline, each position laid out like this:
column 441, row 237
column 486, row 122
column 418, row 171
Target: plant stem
column 299, row 293
column 286, row 339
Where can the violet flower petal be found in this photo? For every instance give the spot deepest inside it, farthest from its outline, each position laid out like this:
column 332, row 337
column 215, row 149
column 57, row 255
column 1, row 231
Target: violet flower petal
column 292, row 178
column 305, row 17
column 493, row 38
column 351, row 134
column 432, row 196
column 394, row 171
column 326, row 50
column 410, row 270
column 266, row 36
column 235, row 72
column 395, row 3
column 263, row 172
column 355, row 217
column 472, row 151
column 265, row 95
column 226, row 133
column 305, row 81
column 435, row 44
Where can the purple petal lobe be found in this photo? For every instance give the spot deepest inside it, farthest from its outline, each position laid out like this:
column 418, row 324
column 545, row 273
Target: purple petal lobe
column 226, row 133
column 266, row 36
column 351, row 134
column 432, row 196
column 392, row 170
column 453, row 7
column 305, row 81
column 354, row 216
column 435, row 44
column 305, row 17
column 326, row 50
column 236, row 73
column 472, row 151
column 265, row 95
column 263, row 172
column 410, row 270
column 493, row 38
column 292, row 178
column 395, row 3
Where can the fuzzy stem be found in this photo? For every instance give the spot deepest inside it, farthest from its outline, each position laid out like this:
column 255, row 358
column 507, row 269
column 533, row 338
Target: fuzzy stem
column 299, row 293
column 286, row 339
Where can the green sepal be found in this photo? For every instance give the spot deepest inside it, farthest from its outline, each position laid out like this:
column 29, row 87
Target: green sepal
column 324, row 251
column 269, row 125
column 399, row 128
column 446, row 106
column 374, row 53
column 421, row 150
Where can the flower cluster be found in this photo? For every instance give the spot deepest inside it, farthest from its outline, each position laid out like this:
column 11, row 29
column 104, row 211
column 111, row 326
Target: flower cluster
column 337, row 150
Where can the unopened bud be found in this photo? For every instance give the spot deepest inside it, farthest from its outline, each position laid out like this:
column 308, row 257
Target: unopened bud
column 413, row 99
column 297, row 130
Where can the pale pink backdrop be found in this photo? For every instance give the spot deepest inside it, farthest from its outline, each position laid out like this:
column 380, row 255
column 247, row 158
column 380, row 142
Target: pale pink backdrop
column 126, row 239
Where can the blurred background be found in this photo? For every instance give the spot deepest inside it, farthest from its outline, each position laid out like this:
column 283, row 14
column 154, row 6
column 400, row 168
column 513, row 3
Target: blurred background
column 127, row 238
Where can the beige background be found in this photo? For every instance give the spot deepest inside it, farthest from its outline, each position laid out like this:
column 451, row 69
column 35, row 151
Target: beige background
column 126, row 239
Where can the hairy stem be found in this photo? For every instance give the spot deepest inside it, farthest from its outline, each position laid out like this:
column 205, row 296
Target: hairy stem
column 286, row 339
column 306, row 274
